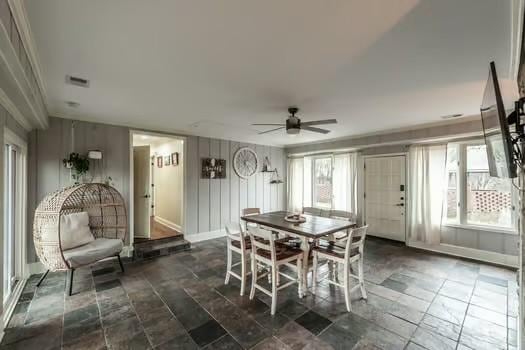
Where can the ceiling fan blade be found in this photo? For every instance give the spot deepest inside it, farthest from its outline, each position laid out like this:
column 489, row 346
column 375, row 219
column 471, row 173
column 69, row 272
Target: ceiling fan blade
column 309, row 128
column 320, row 122
column 268, row 124
column 264, row 132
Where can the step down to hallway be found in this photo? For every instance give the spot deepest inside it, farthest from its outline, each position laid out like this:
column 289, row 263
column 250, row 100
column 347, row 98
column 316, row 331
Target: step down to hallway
column 146, row 249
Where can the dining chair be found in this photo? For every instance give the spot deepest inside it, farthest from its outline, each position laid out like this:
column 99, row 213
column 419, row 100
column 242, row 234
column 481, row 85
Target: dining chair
column 343, row 215
column 350, row 253
column 266, row 251
column 312, row 211
column 325, row 213
column 237, row 242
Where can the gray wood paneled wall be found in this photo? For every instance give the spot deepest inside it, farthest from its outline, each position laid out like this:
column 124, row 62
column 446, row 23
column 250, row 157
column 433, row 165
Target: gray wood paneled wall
column 210, row 204
column 213, row 203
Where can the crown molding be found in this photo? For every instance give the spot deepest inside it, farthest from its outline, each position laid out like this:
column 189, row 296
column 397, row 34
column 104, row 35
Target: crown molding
column 22, row 22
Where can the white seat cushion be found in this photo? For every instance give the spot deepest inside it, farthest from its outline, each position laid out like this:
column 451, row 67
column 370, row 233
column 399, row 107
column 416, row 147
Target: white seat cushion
column 74, row 230
column 92, row 252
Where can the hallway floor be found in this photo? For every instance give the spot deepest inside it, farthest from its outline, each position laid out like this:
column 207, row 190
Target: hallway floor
column 416, row 300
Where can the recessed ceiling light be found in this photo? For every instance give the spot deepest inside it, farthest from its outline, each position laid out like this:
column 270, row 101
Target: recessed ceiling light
column 72, row 104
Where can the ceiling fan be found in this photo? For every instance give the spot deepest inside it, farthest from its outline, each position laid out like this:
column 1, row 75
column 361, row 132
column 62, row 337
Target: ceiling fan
column 294, row 125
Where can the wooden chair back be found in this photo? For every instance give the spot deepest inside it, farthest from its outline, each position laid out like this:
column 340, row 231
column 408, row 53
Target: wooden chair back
column 262, row 239
column 325, row 213
column 341, row 214
column 355, row 240
column 234, row 232
column 251, row 211
column 312, row 211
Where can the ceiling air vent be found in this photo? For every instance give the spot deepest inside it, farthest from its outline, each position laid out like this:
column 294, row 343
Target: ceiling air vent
column 452, row 116
column 77, row 81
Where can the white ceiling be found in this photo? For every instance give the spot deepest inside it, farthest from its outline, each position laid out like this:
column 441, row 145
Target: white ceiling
column 212, row 68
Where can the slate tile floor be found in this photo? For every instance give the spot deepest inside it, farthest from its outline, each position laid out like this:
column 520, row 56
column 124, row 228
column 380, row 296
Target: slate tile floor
column 417, row 300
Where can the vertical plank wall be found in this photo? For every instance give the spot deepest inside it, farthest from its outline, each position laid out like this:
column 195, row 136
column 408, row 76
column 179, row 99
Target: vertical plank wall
column 210, row 204
column 213, row 203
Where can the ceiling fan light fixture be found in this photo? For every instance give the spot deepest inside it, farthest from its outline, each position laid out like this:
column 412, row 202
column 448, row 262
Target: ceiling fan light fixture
column 293, row 131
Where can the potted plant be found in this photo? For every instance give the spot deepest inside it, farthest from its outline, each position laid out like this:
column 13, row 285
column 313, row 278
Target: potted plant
column 78, row 163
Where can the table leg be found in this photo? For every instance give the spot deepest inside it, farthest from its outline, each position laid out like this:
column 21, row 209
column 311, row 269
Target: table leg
column 303, row 287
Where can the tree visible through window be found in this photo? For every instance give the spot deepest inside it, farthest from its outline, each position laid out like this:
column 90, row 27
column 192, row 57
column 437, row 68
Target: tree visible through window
column 323, row 182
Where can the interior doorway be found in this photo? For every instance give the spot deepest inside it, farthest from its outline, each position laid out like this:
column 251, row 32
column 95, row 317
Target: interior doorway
column 385, row 196
column 158, row 178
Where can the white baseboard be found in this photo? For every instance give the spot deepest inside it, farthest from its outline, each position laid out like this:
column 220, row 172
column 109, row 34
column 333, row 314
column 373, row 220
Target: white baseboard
column 168, row 223
column 9, row 307
column 204, row 236
column 464, row 252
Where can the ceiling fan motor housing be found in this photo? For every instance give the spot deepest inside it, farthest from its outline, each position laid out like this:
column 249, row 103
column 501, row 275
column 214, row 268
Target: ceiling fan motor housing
column 293, row 125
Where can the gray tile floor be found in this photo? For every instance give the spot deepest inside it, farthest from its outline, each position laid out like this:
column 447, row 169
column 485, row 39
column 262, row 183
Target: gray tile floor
column 417, row 300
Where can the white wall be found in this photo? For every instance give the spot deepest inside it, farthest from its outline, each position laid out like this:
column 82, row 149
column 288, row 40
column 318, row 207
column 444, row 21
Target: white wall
column 168, row 181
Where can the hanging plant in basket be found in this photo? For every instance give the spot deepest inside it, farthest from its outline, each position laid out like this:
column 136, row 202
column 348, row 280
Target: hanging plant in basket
column 78, row 163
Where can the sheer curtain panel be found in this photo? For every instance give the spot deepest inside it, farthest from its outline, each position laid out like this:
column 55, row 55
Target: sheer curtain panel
column 344, row 182
column 295, row 184
column 426, row 192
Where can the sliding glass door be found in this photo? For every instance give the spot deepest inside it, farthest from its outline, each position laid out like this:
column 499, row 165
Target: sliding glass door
column 11, row 160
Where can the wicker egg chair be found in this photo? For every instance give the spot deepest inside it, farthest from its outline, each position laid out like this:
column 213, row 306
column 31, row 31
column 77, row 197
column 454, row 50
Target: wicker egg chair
column 107, row 219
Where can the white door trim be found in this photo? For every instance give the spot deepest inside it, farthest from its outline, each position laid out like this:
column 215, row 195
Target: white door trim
column 184, row 140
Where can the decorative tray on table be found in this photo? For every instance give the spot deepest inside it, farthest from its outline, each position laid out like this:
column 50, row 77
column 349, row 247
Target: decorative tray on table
column 295, row 218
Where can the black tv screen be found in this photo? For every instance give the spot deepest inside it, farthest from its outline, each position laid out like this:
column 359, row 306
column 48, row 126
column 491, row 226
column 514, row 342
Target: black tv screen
column 496, row 129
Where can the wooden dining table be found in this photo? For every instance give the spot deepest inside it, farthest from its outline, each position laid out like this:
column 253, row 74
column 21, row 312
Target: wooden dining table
column 314, row 228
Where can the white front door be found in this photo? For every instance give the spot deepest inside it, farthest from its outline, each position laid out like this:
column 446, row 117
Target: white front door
column 141, row 191
column 385, row 197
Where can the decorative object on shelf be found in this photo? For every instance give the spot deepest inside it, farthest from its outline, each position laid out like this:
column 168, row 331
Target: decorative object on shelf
column 79, row 164
column 175, row 158
column 213, row 168
column 159, row 162
column 275, row 179
column 245, row 162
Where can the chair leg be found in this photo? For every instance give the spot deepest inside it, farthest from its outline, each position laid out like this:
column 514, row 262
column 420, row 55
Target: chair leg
column 42, row 278
column 120, row 263
column 347, row 287
column 243, row 273
column 274, row 290
column 254, row 277
column 314, row 272
column 300, row 275
column 70, row 288
column 228, row 265
column 361, row 278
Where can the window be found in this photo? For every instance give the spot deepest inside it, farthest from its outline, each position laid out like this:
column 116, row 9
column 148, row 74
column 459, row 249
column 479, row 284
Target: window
column 473, row 197
column 322, row 182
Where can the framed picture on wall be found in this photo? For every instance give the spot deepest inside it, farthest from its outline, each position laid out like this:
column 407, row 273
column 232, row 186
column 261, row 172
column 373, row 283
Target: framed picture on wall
column 167, row 160
column 159, row 162
column 175, row 158
column 213, row 168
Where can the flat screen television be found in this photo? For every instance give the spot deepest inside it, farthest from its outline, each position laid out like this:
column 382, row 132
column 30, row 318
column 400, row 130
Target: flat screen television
column 496, row 129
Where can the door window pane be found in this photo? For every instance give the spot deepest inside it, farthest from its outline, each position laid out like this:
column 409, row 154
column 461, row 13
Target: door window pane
column 451, row 210
column 323, row 182
column 489, row 199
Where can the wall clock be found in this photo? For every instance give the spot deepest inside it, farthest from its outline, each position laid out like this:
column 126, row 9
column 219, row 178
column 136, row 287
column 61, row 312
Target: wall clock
column 245, row 162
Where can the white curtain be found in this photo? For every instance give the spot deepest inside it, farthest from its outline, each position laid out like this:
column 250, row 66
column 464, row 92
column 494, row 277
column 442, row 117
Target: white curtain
column 426, row 192
column 344, row 182
column 295, row 184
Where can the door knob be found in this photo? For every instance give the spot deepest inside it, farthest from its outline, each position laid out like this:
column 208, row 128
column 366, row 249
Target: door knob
column 400, row 204
column 146, row 196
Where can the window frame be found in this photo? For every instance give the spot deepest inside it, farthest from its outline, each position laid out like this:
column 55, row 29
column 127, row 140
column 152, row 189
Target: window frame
column 461, row 195
column 313, row 184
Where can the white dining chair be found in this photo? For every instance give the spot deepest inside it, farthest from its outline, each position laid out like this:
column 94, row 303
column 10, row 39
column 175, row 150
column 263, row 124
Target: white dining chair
column 342, row 215
column 312, row 211
column 239, row 243
column 350, row 253
column 266, row 251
